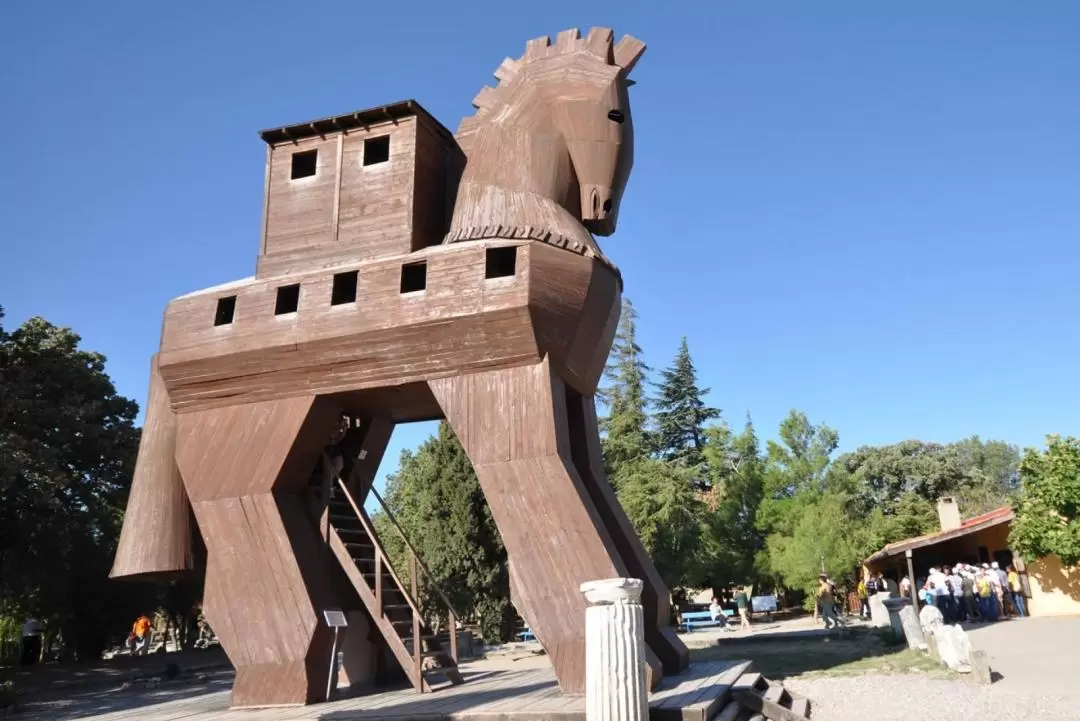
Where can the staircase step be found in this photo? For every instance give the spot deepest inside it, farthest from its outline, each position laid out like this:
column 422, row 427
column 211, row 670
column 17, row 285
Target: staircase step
column 800, row 707
column 749, row 682
column 776, row 694
column 341, row 519
column 730, row 712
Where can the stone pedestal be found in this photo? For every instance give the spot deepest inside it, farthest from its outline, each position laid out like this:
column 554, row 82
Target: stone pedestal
column 879, row 615
column 615, row 651
column 894, row 606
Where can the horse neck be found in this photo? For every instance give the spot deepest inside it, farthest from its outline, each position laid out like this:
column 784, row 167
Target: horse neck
column 517, row 179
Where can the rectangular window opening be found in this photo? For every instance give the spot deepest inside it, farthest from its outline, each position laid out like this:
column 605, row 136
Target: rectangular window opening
column 377, row 150
column 501, row 262
column 304, row 164
column 344, row 289
column 413, row 277
column 288, row 299
column 226, row 309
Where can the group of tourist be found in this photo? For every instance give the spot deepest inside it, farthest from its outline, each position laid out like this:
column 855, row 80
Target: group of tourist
column 969, row 592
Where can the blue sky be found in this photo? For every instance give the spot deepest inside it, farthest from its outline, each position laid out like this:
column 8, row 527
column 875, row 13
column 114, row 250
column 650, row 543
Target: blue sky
column 867, row 211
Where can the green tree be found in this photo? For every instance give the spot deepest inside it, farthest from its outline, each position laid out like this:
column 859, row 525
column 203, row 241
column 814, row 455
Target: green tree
column 903, row 481
column 796, row 465
column 731, row 541
column 67, row 452
column 821, row 537
column 661, row 503
column 437, row 499
column 1048, row 506
column 993, row 474
column 681, row 416
column 624, row 427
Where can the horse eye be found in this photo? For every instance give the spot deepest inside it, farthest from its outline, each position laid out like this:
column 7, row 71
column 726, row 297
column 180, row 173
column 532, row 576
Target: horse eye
column 616, row 115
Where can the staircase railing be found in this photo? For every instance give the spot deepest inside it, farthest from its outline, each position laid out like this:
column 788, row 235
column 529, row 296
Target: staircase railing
column 381, row 561
column 416, row 562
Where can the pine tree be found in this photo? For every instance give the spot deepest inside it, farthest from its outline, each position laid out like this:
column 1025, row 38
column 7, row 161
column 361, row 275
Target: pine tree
column 681, row 416
column 624, row 428
column 437, row 499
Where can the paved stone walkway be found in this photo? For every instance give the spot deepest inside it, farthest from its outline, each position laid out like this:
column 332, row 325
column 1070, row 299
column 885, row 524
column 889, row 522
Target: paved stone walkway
column 1033, row 653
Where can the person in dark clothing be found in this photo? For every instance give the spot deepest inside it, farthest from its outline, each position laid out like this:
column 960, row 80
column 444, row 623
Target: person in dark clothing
column 872, row 585
column 31, row 642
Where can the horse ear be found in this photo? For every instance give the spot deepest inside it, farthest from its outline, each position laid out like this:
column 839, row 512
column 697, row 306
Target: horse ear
column 627, row 52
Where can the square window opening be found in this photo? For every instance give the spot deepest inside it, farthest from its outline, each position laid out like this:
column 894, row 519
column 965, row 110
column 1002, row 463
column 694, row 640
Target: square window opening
column 304, row 164
column 226, row 309
column 288, row 299
column 344, row 288
column 501, row 262
column 377, row 150
column 413, row 277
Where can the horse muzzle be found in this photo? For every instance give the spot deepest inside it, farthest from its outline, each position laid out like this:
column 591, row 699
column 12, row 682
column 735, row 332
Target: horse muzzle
column 598, row 209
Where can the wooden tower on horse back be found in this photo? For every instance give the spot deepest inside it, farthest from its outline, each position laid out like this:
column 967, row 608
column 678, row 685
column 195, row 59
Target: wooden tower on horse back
column 404, row 274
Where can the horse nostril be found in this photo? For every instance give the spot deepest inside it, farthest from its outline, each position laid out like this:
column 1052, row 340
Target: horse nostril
column 607, row 205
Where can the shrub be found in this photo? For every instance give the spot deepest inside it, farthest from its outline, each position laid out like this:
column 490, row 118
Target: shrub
column 7, row 694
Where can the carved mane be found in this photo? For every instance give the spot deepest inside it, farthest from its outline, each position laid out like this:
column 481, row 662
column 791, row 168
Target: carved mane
column 599, row 42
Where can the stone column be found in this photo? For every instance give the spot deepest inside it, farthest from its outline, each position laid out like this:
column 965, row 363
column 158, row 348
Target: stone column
column 615, row 651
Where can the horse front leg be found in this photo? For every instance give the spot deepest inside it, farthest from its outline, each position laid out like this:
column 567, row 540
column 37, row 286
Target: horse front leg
column 513, row 424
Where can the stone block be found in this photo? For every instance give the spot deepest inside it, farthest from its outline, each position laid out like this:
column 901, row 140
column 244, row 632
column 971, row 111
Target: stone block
column 980, row 667
column 953, row 647
column 879, row 614
column 913, row 632
column 930, row 618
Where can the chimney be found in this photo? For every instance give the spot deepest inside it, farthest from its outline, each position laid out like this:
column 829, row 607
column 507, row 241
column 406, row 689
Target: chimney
column 948, row 513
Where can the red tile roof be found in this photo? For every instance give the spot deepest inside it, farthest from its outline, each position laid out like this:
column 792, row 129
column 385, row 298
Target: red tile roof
column 976, row 523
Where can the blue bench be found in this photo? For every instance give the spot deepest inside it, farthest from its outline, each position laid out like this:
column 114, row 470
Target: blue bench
column 526, row 634
column 693, row 619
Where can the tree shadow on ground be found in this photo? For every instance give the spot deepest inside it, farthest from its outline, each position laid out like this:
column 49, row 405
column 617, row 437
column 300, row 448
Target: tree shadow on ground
column 67, row 704
column 434, row 705
column 853, row 651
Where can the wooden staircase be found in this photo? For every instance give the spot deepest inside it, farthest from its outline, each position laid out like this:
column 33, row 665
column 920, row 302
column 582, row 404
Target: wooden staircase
column 352, row 538
column 756, row 698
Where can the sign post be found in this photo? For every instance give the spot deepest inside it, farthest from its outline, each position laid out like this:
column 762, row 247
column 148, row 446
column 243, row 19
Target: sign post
column 336, row 620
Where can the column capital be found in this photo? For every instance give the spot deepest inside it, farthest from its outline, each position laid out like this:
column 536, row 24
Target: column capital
column 609, row 591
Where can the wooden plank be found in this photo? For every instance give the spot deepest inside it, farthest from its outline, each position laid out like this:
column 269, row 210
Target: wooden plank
column 776, row 693
column 747, row 682
column 337, row 186
column 687, row 687
column 771, row 710
column 711, row 698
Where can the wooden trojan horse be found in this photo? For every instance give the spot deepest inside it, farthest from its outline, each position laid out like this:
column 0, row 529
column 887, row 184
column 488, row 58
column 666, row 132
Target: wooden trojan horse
column 405, row 274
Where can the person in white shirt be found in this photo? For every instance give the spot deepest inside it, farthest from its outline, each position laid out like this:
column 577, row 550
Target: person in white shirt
column 995, row 583
column 935, row 583
column 717, row 614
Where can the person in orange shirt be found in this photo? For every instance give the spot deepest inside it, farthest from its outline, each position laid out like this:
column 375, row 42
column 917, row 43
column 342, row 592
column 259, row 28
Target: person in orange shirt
column 141, row 633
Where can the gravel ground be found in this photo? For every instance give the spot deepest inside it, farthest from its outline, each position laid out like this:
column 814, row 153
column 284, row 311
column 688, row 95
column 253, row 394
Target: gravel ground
column 902, row 698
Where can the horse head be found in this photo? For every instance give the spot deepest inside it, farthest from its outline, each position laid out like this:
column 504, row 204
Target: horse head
column 557, row 128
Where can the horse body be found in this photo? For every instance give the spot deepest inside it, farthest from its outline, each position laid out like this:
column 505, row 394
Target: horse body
column 511, row 360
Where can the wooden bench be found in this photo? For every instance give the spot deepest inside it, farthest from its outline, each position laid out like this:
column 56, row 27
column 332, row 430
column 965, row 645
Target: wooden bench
column 693, row 619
